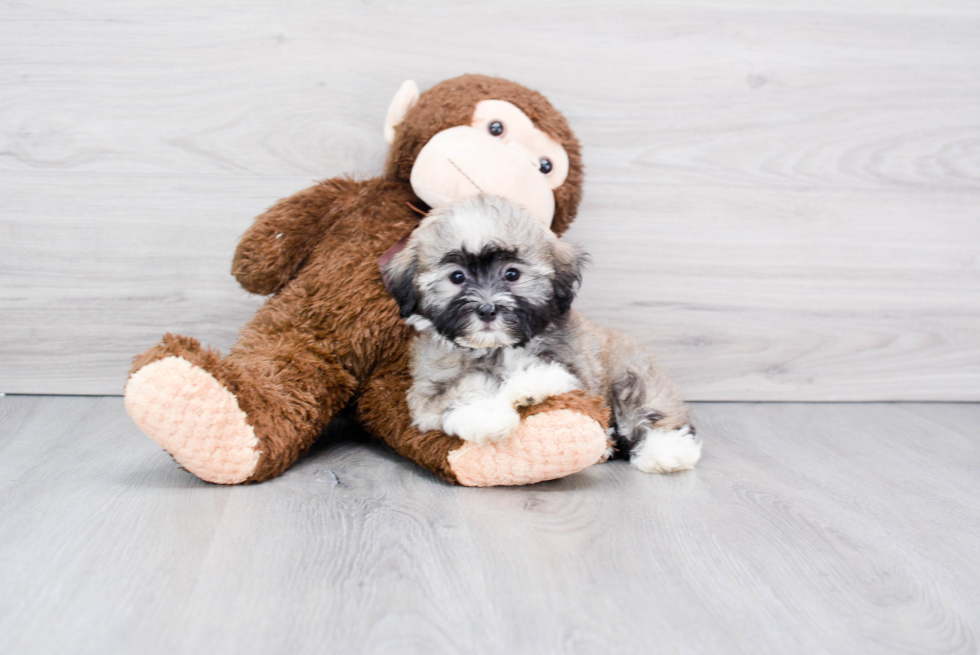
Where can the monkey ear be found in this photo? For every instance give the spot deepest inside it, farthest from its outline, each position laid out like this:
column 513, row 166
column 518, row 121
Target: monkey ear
column 399, row 278
column 569, row 262
column 405, row 99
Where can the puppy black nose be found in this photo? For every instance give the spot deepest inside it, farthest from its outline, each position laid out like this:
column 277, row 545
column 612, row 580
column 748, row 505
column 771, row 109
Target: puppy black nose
column 487, row 312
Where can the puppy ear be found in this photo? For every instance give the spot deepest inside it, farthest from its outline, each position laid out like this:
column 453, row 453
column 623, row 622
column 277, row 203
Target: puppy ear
column 569, row 262
column 399, row 278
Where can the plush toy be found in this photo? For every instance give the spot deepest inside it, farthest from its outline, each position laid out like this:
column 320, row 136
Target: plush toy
column 330, row 338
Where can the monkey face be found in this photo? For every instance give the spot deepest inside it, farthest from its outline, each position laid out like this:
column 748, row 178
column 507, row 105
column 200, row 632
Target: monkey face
column 475, row 134
column 501, row 153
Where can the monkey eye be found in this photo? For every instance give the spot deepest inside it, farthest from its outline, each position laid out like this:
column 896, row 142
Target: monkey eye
column 457, row 277
column 545, row 166
column 512, row 275
column 496, row 128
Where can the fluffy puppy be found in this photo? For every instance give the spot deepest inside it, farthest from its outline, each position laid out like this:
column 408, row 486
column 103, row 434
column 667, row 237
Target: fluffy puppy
column 489, row 290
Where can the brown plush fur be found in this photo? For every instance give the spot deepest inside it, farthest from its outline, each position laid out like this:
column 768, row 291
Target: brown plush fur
column 331, row 336
column 581, row 401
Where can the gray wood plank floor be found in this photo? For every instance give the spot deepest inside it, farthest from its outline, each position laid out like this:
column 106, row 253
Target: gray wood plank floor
column 809, row 528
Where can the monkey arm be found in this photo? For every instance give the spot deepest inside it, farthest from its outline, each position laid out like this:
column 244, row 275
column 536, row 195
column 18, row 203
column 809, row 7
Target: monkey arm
column 561, row 436
column 558, row 437
column 274, row 248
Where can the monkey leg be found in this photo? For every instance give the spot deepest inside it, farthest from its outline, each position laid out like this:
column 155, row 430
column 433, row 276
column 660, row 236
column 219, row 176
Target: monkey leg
column 244, row 418
column 561, row 436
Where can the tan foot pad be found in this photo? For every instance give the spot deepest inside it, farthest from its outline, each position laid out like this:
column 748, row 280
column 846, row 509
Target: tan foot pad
column 546, row 446
column 187, row 411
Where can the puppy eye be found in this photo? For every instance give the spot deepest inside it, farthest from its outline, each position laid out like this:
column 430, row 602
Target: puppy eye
column 496, row 128
column 457, row 277
column 512, row 275
column 545, row 166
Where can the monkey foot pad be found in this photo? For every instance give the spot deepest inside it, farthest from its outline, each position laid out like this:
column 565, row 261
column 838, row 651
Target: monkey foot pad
column 187, row 411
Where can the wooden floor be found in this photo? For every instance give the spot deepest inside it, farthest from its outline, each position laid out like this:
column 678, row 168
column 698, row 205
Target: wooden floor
column 809, row 528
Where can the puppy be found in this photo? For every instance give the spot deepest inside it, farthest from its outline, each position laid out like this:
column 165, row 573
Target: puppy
column 489, row 290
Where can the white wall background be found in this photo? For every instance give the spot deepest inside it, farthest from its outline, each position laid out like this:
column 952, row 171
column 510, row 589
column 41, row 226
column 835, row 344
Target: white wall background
column 782, row 199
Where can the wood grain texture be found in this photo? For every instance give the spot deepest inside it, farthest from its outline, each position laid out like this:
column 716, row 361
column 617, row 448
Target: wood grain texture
column 783, row 199
column 807, row 528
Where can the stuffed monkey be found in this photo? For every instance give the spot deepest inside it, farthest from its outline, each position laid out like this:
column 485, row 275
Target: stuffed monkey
column 330, row 337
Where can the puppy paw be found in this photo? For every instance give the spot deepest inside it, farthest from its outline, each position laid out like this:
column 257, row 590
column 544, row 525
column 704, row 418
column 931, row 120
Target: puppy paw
column 483, row 421
column 531, row 386
column 666, row 451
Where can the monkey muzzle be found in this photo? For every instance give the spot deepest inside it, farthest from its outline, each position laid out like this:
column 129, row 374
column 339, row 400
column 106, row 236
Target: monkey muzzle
column 461, row 163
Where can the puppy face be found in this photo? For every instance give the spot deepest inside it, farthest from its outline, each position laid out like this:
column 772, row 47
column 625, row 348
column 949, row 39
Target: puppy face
column 484, row 274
